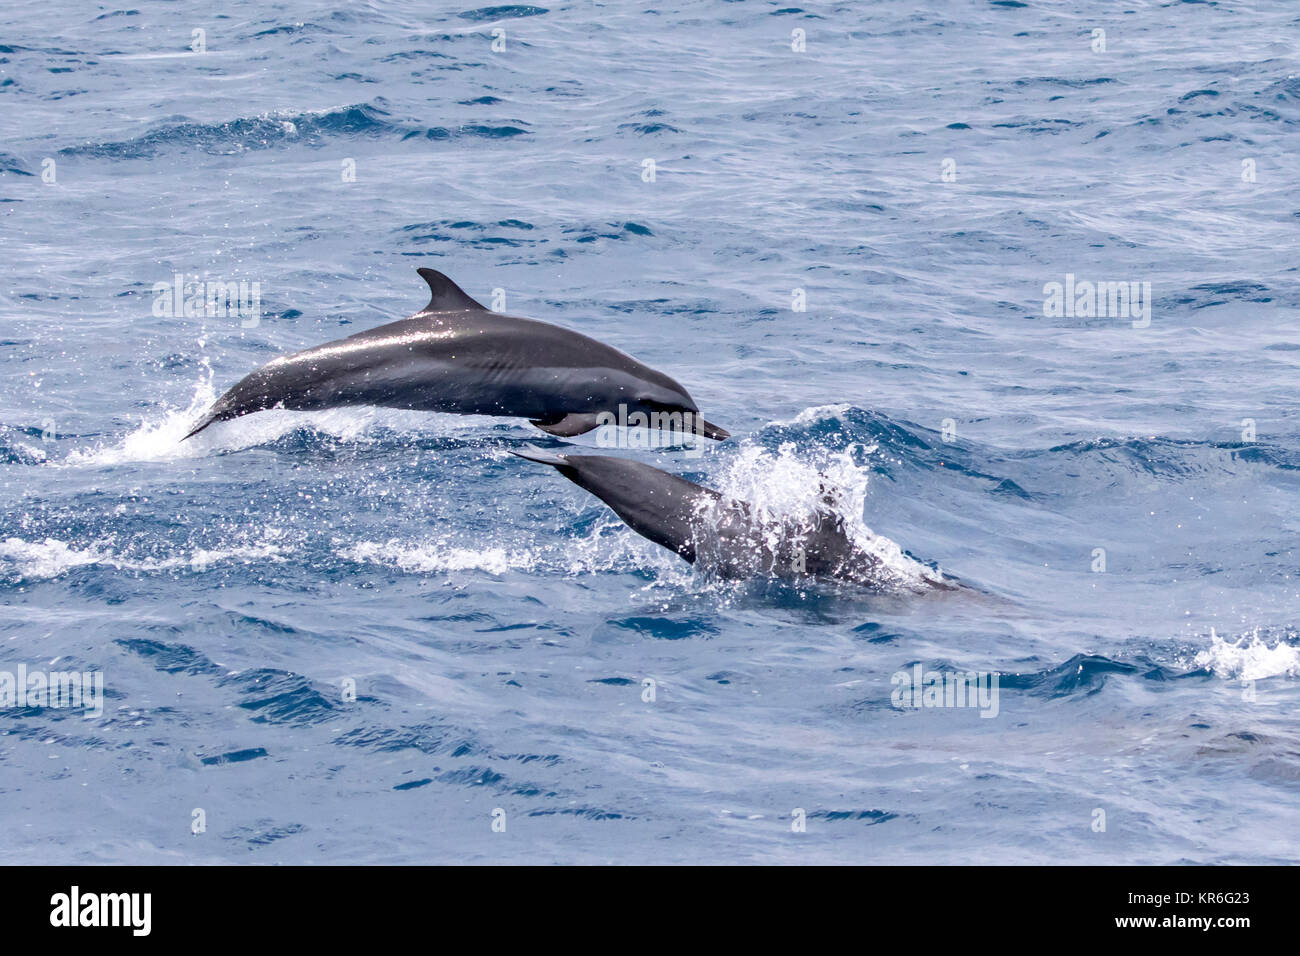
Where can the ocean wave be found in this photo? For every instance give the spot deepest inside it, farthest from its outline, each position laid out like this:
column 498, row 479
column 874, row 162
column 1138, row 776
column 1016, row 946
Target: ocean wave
column 1104, row 460
column 502, row 12
column 313, row 129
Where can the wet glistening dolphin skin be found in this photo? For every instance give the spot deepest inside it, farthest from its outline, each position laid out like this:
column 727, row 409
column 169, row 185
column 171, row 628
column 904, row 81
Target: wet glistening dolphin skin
column 723, row 534
column 456, row 356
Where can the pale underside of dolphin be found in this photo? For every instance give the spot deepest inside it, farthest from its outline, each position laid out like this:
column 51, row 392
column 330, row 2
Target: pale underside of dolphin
column 726, row 536
column 456, row 356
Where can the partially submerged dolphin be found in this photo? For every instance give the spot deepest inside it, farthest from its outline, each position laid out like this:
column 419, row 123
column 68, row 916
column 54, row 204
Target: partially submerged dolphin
column 456, row 356
column 727, row 536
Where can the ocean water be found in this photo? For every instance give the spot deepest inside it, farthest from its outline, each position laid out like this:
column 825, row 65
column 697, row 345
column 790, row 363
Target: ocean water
column 1120, row 492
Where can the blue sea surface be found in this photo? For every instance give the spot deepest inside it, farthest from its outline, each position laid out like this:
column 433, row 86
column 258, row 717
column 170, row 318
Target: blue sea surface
column 1120, row 493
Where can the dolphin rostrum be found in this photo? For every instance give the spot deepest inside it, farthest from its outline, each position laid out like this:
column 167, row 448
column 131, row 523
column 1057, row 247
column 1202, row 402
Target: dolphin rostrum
column 728, row 537
column 456, row 356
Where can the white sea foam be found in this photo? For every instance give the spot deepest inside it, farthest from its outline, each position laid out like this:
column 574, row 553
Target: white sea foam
column 429, row 557
column 39, row 560
column 1250, row 657
column 609, row 547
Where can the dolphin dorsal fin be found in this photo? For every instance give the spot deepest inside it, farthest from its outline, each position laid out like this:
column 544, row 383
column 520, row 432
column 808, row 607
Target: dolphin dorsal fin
column 447, row 296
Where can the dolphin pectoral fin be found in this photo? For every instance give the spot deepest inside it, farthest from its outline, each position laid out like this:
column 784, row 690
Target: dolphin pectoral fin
column 710, row 430
column 539, row 455
column 446, row 295
column 575, row 423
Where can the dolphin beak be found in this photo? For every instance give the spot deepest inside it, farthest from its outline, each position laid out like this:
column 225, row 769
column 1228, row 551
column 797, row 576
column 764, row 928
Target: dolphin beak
column 710, row 430
column 197, row 428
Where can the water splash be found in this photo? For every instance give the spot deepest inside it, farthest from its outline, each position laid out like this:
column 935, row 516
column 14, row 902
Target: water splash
column 1250, row 657
column 161, row 437
column 157, row 438
column 787, row 489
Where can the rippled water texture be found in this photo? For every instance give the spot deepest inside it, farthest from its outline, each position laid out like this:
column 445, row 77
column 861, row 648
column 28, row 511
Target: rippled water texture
column 1120, row 495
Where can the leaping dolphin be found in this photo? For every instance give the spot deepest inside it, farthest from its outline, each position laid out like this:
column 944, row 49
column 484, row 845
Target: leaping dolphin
column 727, row 536
column 456, row 356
